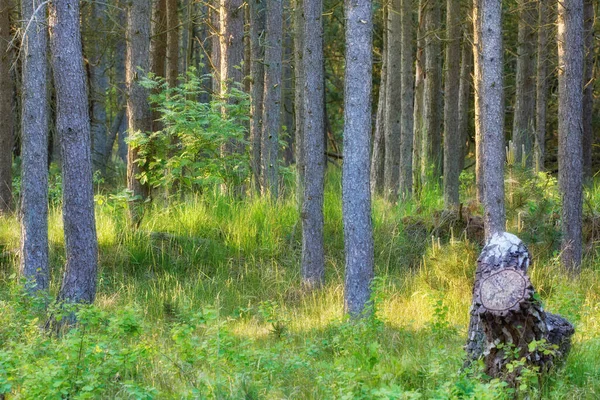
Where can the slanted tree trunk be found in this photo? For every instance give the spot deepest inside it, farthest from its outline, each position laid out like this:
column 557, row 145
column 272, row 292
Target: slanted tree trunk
column 393, row 105
column 6, row 110
column 257, row 80
column 525, row 86
column 406, row 133
column 588, row 86
column 378, row 148
column 172, row 65
column 138, row 110
column 452, row 134
column 73, row 127
column 313, row 257
column 34, row 145
column 272, row 98
column 505, row 314
column 541, row 85
column 491, row 103
column 356, row 195
column 299, row 98
column 570, row 166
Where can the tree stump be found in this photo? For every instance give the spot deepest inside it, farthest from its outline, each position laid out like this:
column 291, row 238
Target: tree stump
column 505, row 313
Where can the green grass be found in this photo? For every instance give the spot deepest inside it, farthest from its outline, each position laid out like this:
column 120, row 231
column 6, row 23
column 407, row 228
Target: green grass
column 205, row 301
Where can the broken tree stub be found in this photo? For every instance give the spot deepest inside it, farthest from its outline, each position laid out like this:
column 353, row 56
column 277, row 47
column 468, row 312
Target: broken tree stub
column 506, row 314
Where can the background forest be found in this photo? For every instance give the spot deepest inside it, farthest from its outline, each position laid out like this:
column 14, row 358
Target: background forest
column 287, row 198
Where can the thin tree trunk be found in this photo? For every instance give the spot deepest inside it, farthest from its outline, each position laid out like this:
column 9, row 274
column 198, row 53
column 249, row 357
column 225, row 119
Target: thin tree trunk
column 299, row 98
column 588, row 86
column 570, row 166
column 491, row 100
column 525, row 86
column 313, row 258
column 541, row 85
column 479, row 155
column 452, row 134
column 158, row 50
column 257, row 77
column 6, row 110
column 138, row 110
column 378, row 151
column 73, row 126
column 34, row 145
column 356, row 195
column 464, row 95
column 406, row 139
column 215, row 53
column 172, row 66
column 418, row 122
column 272, row 98
column 393, row 105
column 288, row 85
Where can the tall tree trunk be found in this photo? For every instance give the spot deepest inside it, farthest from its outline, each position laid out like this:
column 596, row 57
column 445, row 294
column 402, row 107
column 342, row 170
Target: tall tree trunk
column 464, row 95
column 158, row 49
column 406, row 139
column 172, row 65
column 288, row 85
column 313, row 258
column 541, row 85
column 356, row 195
column 215, row 52
column 393, row 105
column 588, row 86
column 418, row 122
column 491, row 100
column 378, row 150
column 34, row 145
column 6, row 110
column 272, row 98
column 479, row 155
column 452, row 135
column 299, row 98
column 120, row 72
column 138, row 110
column 73, row 126
column 570, row 166
column 257, row 78
column 525, row 86
column 431, row 152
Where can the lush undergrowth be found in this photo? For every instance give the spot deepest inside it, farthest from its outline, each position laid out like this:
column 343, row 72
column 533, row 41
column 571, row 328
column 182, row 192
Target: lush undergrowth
column 204, row 301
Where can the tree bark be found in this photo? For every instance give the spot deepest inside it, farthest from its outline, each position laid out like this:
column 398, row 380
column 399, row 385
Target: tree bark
column 378, row 150
column 588, row 86
column 464, row 96
column 356, row 195
column 479, row 159
column 418, row 126
column 570, row 166
column 541, row 85
column 452, row 134
column 172, row 66
column 272, row 98
column 34, row 145
column 257, row 78
column 299, row 99
column 491, row 101
column 138, row 110
column 407, row 73
column 6, row 110
column 506, row 314
column 313, row 257
column 73, row 126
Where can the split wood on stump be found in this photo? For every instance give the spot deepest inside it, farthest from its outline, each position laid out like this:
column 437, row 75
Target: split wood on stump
column 505, row 313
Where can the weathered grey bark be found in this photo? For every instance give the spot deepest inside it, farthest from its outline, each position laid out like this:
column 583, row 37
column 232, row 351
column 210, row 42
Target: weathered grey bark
column 172, row 66
column 588, row 86
column 491, row 102
column 407, row 73
column 272, row 98
column 452, row 134
column 299, row 98
column 378, row 148
column 34, row 145
column 257, row 78
column 418, row 127
column 138, row 110
column 431, row 157
column 356, row 195
column 313, row 257
column 505, row 312
column 393, row 105
column 479, row 159
column 73, row 126
column 6, row 110
column 464, row 96
column 523, row 122
column 570, row 166
column 541, row 85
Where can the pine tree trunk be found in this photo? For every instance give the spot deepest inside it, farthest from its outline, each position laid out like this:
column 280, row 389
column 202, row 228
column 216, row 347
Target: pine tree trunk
column 378, row 150
column 541, row 85
column 525, row 87
column 6, row 110
column 491, row 101
column 452, row 134
column 73, row 126
column 257, row 78
column 356, row 195
column 588, row 86
column 407, row 73
column 464, row 96
column 313, row 257
column 299, row 99
column 158, row 50
column 393, row 105
column 479, row 155
column 272, row 98
column 418, row 122
column 570, row 166
column 34, row 145
column 172, row 42
column 138, row 110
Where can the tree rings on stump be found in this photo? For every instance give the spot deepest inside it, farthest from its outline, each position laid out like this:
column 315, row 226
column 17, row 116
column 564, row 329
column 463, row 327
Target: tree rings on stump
column 503, row 290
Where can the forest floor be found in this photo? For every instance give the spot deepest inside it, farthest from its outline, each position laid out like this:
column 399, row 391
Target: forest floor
column 204, row 300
